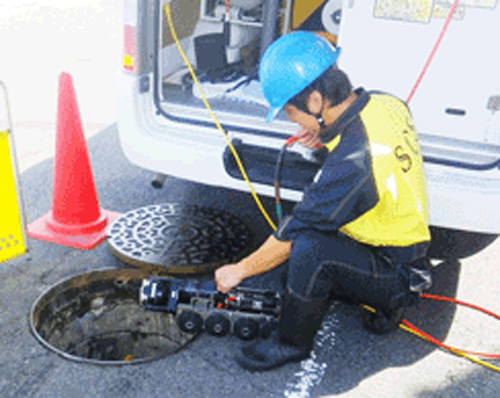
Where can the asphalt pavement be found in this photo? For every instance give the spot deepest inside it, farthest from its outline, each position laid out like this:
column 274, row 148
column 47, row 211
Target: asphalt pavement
column 346, row 361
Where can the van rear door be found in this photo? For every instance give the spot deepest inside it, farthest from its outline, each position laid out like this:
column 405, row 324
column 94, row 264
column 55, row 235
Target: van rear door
column 386, row 44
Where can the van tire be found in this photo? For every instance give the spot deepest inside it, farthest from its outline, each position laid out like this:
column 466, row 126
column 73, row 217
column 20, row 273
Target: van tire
column 451, row 244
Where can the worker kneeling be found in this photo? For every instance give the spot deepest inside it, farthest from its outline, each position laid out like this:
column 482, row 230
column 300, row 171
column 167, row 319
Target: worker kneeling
column 360, row 232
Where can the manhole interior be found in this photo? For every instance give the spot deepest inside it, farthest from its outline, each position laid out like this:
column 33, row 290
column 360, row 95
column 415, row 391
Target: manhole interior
column 179, row 239
column 96, row 318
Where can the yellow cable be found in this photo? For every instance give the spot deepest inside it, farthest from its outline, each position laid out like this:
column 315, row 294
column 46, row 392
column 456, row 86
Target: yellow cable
column 453, row 350
column 168, row 13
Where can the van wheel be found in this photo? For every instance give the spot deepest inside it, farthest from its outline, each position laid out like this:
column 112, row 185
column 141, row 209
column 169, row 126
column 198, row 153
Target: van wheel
column 451, row 244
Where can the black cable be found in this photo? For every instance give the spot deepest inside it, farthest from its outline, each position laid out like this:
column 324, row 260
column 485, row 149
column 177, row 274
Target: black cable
column 277, row 180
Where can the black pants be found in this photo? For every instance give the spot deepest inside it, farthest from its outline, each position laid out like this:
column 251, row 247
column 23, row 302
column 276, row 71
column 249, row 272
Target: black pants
column 333, row 265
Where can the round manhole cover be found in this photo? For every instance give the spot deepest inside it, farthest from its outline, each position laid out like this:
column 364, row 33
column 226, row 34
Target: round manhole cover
column 179, row 239
column 96, row 318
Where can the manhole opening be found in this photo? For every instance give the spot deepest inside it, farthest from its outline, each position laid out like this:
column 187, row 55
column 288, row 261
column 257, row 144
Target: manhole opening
column 96, row 318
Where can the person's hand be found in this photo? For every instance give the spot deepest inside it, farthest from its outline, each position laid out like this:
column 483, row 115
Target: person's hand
column 228, row 277
column 308, row 139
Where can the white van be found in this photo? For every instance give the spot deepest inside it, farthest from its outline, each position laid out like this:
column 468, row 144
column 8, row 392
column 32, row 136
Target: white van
column 165, row 127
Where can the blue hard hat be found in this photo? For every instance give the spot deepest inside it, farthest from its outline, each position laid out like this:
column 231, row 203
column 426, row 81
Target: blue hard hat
column 292, row 63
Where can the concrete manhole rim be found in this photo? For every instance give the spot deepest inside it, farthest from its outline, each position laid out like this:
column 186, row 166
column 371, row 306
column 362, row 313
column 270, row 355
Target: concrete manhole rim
column 66, row 282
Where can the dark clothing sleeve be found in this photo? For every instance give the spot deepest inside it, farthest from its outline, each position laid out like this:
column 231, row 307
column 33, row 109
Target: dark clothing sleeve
column 343, row 190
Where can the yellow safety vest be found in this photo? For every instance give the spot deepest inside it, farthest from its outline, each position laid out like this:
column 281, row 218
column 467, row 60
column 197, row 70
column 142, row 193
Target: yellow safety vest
column 400, row 217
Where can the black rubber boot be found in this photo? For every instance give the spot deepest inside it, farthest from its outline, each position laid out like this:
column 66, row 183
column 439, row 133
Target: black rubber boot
column 299, row 322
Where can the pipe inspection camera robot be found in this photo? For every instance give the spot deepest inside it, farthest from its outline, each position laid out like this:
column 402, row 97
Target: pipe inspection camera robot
column 247, row 313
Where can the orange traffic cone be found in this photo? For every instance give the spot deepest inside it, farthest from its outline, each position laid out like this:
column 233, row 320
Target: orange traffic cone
column 75, row 219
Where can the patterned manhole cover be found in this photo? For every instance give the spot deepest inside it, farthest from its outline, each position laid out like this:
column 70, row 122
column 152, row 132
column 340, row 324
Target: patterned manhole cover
column 179, row 239
column 96, row 318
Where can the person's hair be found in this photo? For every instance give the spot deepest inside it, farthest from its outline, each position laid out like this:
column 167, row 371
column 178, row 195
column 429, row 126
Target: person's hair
column 333, row 84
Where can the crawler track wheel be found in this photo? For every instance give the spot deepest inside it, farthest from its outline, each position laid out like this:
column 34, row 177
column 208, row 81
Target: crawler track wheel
column 217, row 325
column 190, row 322
column 246, row 329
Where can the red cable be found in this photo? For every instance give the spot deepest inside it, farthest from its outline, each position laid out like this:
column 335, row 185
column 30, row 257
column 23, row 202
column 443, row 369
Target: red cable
column 289, row 142
column 445, row 346
column 434, row 50
column 463, row 303
column 440, row 343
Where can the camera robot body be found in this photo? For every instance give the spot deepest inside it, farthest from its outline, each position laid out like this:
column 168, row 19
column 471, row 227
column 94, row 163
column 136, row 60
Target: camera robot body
column 197, row 306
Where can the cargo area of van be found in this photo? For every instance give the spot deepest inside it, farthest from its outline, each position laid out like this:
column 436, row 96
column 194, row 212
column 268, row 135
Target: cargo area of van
column 223, row 41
